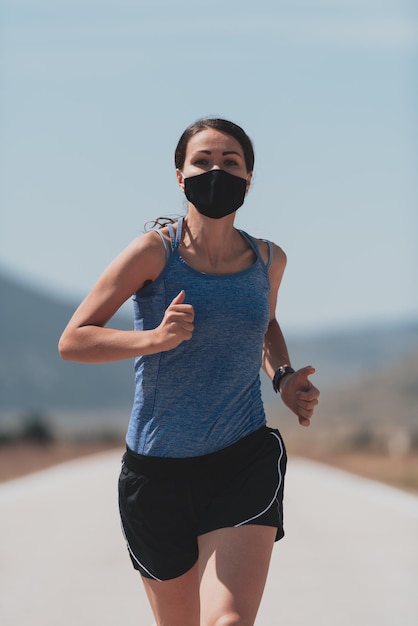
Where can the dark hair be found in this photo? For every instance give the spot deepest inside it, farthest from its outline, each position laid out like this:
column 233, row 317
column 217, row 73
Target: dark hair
column 224, row 126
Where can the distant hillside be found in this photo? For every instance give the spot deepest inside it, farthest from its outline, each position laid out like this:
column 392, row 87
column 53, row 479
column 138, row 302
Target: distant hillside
column 344, row 358
column 33, row 377
column 388, row 397
column 383, row 400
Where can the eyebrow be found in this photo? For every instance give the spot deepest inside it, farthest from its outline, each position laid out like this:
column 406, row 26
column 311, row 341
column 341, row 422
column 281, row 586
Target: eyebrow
column 223, row 153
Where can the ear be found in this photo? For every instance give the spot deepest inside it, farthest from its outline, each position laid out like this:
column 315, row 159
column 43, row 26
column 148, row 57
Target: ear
column 249, row 178
column 180, row 179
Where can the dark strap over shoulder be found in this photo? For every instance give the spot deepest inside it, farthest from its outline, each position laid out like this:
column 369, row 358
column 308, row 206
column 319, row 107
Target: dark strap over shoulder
column 254, row 246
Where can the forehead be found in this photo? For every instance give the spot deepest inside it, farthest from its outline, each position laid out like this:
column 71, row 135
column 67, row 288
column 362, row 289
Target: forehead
column 213, row 140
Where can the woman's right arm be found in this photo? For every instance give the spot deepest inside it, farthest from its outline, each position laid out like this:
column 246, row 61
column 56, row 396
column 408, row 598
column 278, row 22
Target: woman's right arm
column 86, row 340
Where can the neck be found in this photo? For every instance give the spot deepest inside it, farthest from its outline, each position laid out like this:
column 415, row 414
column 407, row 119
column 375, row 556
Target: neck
column 213, row 230
column 213, row 239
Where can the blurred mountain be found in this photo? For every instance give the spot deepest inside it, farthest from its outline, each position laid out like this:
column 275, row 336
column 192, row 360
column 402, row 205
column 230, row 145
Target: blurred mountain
column 33, row 377
column 376, row 414
column 387, row 397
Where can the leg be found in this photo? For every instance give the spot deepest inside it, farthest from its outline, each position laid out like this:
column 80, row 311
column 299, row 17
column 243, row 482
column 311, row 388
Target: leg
column 233, row 565
column 175, row 602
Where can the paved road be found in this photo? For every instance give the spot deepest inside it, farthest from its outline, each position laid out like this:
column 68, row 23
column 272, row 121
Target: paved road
column 350, row 555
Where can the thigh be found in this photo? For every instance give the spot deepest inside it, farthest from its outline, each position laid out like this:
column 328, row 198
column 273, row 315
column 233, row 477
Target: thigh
column 233, row 567
column 175, row 602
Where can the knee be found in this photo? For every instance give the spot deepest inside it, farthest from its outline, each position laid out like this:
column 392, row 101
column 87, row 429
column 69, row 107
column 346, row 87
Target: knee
column 232, row 619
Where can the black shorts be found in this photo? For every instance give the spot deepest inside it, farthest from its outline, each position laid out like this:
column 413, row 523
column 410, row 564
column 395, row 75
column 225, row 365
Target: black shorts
column 166, row 503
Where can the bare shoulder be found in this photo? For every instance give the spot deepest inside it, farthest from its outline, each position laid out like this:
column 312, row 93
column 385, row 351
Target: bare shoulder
column 147, row 242
column 279, row 257
column 139, row 263
column 145, row 255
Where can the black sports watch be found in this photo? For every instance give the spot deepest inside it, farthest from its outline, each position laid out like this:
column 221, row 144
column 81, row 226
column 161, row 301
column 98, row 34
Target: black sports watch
column 279, row 374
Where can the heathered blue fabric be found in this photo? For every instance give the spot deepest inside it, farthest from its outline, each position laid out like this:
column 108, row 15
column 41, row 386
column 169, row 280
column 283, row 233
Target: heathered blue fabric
column 205, row 394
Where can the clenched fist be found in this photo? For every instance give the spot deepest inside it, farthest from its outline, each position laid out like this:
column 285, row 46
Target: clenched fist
column 177, row 323
column 299, row 394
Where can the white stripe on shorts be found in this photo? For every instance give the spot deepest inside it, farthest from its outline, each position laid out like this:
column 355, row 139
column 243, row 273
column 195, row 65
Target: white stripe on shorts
column 280, row 477
column 134, row 557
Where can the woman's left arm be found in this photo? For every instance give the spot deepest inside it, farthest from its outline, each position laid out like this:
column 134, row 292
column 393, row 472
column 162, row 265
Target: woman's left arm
column 296, row 390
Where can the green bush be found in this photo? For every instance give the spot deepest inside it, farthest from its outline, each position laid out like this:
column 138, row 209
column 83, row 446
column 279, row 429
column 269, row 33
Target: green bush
column 36, row 428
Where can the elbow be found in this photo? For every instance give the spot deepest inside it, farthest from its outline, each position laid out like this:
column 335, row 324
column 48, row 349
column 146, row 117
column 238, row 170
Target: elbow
column 65, row 350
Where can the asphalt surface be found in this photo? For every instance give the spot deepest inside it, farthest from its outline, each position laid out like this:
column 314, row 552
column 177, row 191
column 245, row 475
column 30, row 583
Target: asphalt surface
column 350, row 555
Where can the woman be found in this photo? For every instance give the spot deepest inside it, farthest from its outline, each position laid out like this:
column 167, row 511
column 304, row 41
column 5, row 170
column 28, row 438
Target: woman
column 201, row 486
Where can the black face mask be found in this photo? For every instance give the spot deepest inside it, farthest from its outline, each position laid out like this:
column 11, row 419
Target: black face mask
column 215, row 193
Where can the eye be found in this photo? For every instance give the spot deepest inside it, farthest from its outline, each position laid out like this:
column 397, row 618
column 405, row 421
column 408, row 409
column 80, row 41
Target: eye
column 200, row 162
column 230, row 162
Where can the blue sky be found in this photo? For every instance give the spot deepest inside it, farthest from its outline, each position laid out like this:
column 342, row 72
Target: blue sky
column 95, row 94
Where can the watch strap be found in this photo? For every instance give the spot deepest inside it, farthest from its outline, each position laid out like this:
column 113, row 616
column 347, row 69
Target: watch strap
column 279, row 374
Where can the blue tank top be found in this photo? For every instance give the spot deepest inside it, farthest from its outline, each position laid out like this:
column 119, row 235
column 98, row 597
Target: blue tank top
column 204, row 394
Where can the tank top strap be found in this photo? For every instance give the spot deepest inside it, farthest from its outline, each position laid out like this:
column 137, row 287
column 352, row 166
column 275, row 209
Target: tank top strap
column 270, row 249
column 172, row 236
column 175, row 238
column 255, row 247
column 165, row 244
column 178, row 233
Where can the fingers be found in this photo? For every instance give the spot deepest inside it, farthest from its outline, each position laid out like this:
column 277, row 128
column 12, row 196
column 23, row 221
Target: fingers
column 300, row 395
column 305, row 408
column 177, row 324
column 306, row 401
column 179, row 299
column 306, row 371
column 305, row 405
column 302, row 376
column 309, row 396
column 179, row 313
